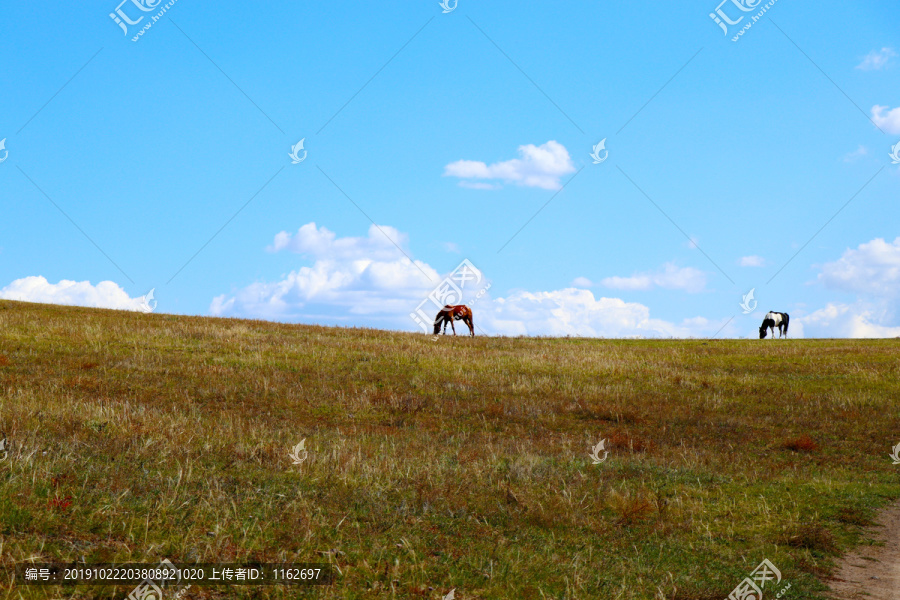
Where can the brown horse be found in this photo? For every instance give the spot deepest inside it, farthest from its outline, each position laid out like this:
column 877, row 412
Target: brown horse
column 460, row 312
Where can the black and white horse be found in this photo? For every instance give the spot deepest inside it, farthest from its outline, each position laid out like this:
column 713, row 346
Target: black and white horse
column 773, row 320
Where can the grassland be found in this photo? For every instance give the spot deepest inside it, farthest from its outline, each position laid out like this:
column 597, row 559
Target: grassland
column 456, row 463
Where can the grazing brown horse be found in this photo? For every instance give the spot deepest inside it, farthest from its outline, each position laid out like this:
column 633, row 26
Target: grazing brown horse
column 460, row 312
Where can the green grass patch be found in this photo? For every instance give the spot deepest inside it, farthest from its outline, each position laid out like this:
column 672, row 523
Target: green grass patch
column 457, row 463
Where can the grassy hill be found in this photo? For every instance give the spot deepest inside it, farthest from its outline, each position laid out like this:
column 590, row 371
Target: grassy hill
column 437, row 464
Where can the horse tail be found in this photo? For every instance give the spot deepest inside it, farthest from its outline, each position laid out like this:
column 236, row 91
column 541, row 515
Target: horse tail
column 786, row 321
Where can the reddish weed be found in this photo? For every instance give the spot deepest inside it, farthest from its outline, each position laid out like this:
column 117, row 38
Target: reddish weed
column 804, row 443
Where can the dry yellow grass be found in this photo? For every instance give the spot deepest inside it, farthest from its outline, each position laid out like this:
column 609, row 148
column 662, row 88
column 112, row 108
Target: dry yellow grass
column 457, row 463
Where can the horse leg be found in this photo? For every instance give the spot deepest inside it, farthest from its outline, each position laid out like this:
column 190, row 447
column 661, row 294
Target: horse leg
column 452, row 326
column 471, row 323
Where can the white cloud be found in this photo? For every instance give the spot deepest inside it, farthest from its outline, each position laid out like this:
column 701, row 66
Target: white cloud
column 582, row 282
column 539, row 166
column 367, row 281
column 876, row 59
column 106, row 294
column 577, row 312
column 752, row 261
column 669, row 277
column 349, row 276
column 846, row 320
column 346, row 285
column 382, row 243
column 872, row 269
column 451, row 247
column 889, row 122
column 856, row 154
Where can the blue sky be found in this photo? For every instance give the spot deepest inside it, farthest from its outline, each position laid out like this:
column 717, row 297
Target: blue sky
column 127, row 158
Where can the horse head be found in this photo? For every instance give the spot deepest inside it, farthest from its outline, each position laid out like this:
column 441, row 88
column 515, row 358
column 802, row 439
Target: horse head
column 762, row 332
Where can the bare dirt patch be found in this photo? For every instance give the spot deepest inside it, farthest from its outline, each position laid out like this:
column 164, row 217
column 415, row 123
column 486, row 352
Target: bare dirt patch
column 873, row 571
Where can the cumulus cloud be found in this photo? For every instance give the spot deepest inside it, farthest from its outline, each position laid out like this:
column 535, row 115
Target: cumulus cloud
column 876, row 59
column 383, row 243
column 848, row 320
column 538, row 166
column 106, row 294
column 577, row 312
column 888, row 121
column 752, row 261
column 872, row 269
column 669, row 277
column 346, row 284
column 349, row 276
